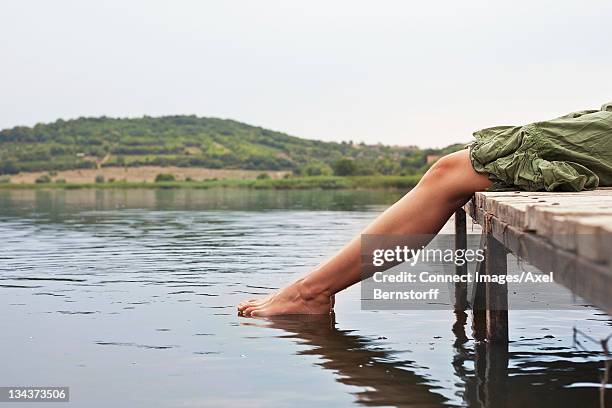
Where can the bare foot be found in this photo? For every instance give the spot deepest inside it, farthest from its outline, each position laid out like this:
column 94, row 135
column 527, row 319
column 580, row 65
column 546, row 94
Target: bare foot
column 292, row 299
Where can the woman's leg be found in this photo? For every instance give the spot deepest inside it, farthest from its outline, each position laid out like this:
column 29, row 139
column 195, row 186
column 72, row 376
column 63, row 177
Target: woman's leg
column 424, row 210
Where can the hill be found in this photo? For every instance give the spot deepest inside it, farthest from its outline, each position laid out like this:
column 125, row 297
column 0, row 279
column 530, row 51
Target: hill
column 191, row 141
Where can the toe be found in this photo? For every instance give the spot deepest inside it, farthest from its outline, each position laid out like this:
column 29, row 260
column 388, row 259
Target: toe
column 247, row 303
column 247, row 311
column 260, row 311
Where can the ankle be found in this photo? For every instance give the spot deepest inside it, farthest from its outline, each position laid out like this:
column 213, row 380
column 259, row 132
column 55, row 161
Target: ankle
column 311, row 289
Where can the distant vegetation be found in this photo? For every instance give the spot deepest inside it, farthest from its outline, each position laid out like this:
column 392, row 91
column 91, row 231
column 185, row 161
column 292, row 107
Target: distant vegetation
column 164, row 177
column 43, row 179
column 190, row 141
column 289, row 183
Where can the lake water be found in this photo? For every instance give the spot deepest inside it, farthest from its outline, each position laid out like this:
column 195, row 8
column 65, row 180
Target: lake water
column 128, row 297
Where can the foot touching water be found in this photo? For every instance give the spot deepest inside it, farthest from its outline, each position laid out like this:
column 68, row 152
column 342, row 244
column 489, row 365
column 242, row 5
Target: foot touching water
column 292, row 299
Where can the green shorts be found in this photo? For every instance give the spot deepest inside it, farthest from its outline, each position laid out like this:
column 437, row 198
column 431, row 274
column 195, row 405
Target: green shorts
column 570, row 153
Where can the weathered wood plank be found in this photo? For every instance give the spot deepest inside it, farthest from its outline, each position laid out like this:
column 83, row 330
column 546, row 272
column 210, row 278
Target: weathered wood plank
column 542, row 219
column 593, row 237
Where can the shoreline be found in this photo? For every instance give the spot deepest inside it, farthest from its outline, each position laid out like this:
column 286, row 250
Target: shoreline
column 139, row 174
column 291, row 183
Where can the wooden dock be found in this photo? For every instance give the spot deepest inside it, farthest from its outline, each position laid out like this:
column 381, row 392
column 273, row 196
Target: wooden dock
column 567, row 233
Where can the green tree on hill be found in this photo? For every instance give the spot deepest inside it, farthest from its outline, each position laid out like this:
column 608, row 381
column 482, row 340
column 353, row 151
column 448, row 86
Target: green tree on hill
column 164, row 177
column 345, row 167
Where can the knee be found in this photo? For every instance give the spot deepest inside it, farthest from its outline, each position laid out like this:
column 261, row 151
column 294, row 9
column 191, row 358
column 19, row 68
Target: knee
column 446, row 167
column 454, row 175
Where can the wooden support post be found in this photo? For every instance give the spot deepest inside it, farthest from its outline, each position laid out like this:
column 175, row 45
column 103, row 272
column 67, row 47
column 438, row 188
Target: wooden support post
column 496, row 294
column 479, row 300
column 461, row 302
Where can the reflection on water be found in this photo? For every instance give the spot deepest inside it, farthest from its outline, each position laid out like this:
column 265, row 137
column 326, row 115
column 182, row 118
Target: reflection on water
column 484, row 370
column 54, row 202
column 127, row 296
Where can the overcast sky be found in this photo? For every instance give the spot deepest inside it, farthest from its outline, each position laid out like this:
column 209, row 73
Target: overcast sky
column 396, row 72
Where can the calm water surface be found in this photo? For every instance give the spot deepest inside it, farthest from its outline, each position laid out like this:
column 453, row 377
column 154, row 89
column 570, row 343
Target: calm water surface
column 128, row 297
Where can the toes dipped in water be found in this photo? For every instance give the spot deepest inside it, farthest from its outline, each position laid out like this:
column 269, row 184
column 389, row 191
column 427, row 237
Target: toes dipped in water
column 246, row 303
column 252, row 302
